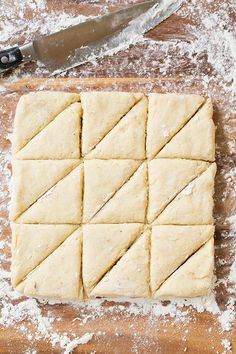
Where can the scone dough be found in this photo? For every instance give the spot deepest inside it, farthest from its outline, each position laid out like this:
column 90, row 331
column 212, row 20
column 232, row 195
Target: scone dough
column 194, row 277
column 112, row 195
column 101, row 112
column 35, row 111
column 167, row 177
column 194, row 204
column 59, row 275
column 130, row 276
column 196, row 140
column 168, row 113
column 103, row 245
column 59, row 140
column 31, row 244
column 171, row 246
column 127, row 139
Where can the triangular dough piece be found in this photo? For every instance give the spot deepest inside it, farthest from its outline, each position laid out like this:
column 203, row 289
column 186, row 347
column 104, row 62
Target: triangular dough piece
column 167, row 177
column 31, row 244
column 103, row 245
column 171, row 246
column 197, row 138
column 167, row 115
column 193, row 278
column 129, row 203
column 59, row 275
column 31, row 179
column 127, row 139
column 194, row 205
column 60, row 139
column 61, row 204
column 101, row 112
column 130, row 276
column 102, row 178
column 35, row 110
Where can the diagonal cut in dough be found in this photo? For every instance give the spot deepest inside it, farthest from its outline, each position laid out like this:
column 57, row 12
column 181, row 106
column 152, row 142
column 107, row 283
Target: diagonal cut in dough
column 194, row 277
column 168, row 113
column 194, row 204
column 58, row 140
column 31, row 244
column 101, row 112
column 167, row 177
column 59, row 275
column 35, row 111
column 129, row 203
column 130, row 275
column 127, row 139
column 31, row 179
column 103, row 245
column 171, row 246
column 102, row 178
column 197, row 138
column 61, row 204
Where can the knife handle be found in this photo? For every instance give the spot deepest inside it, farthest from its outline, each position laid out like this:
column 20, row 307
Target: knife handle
column 10, row 57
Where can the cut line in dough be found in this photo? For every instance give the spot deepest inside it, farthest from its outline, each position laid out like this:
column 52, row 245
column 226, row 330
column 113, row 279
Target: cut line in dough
column 31, row 244
column 58, row 140
column 101, row 113
column 171, row 246
column 129, row 276
column 127, row 139
column 61, row 269
column 103, row 246
column 193, row 278
column 167, row 178
column 194, row 204
column 35, row 111
column 128, row 204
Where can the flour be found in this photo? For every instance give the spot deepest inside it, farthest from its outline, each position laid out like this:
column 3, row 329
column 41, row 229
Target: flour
column 208, row 56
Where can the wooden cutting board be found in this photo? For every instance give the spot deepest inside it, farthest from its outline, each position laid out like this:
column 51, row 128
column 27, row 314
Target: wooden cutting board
column 193, row 333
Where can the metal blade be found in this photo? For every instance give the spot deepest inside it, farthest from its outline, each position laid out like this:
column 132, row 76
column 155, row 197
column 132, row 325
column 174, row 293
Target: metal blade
column 55, row 50
column 123, row 39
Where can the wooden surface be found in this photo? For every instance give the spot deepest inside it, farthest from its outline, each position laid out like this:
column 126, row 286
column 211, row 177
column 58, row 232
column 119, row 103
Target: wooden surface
column 121, row 331
column 154, row 335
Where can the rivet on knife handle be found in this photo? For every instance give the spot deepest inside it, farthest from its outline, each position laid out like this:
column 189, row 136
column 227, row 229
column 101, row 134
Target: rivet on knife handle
column 10, row 57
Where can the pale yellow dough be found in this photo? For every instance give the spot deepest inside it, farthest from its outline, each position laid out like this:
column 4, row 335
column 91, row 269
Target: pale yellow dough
column 35, row 111
column 101, row 112
column 171, row 246
column 113, row 195
column 32, row 179
column 196, row 140
column 167, row 177
column 127, row 139
column 103, row 245
column 193, row 278
column 59, row 140
column 194, row 204
column 61, row 204
column 59, row 275
column 130, row 276
column 167, row 115
column 129, row 203
column 102, row 178
column 31, row 244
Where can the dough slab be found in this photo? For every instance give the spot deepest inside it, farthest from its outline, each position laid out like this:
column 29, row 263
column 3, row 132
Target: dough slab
column 113, row 195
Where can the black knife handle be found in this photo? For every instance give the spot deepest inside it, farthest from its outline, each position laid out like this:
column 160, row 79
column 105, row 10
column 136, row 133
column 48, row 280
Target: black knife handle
column 10, row 57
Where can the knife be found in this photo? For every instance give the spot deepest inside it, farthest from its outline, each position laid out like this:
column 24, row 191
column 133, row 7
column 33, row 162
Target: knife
column 90, row 39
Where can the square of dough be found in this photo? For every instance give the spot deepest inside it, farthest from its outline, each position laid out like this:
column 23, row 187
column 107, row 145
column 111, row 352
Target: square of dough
column 113, row 195
column 180, row 126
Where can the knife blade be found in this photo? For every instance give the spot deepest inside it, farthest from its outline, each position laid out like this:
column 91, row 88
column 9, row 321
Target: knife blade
column 78, row 44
